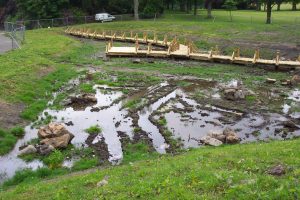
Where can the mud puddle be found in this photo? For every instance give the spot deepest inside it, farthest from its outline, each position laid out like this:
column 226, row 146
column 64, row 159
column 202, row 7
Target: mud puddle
column 186, row 118
column 78, row 121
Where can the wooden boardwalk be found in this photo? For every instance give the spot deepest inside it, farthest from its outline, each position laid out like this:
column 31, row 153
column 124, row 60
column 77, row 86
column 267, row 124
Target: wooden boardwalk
column 176, row 50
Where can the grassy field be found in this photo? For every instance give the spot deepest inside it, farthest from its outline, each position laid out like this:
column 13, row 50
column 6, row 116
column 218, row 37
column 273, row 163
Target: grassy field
column 229, row 172
column 247, row 31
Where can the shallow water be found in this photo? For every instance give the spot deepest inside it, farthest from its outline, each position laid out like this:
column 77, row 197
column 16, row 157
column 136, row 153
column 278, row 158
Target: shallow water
column 82, row 120
column 187, row 124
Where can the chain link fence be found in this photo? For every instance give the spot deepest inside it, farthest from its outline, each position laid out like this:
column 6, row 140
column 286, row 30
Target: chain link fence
column 75, row 20
column 16, row 32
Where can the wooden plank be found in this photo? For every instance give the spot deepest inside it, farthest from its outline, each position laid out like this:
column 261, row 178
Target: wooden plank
column 175, row 49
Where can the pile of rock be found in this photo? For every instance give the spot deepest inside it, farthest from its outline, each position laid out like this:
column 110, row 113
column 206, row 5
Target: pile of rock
column 217, row 138
column 52, row 136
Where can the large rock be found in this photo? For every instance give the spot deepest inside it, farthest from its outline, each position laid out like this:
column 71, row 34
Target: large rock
column 277, row 170
column 30, row 149
column 231, row 136
column 56, row 135
column 59, row 142
column 52, row 130
column 207, row 140
column 45, row 149
column 217, row 135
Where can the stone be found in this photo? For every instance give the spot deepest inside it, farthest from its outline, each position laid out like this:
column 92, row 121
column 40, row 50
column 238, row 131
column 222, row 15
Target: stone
column 207, row 140
column 85, row 98
column 295, row 79
column 270, row 80
column 239, row 94
column 52, row 130
column 289, row 124
column 95, row 109
column 30, row 149
column 136, row 61
column 232, row 139
column 103, row 182
column 234, row 94
column 231, row 136
column 45, row 149
column 70, row 123
column 229, row 94
column 217, row 135
column 59, row 142
column 277, row 170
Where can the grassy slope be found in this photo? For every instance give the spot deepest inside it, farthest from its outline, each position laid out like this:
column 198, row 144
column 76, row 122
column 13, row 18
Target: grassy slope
column 229, row 172
column 30, row 75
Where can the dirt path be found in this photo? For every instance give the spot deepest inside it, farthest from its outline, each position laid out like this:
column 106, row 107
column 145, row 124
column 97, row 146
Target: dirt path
column 5, row 43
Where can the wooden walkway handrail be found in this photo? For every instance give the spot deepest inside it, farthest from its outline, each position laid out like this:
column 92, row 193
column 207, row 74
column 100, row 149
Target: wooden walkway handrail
column 175, row 49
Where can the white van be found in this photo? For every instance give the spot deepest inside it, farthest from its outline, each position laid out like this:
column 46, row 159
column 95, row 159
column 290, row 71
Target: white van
column 104, row 17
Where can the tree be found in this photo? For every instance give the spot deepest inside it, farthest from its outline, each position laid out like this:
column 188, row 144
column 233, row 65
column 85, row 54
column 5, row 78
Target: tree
column 269, row 11
column 136, row 9
column 195, row 7
column 209, row 8
column 278, row 2
column 294, row 4
column 39, row 9
column 230, row 5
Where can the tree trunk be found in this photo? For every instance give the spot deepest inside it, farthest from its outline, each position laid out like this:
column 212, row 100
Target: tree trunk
column 294, row 5
column 195, row 7
column 269, row 11
column 258, row 6
column 209, row 7
column 182, row 6
column 278, row 6
column 186, row 6
column 265, row 6
column 136, row 9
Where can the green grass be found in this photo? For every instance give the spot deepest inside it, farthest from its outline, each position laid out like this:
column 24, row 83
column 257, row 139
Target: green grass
column 17, row 131
column 227, row 172
column 247, row 26
column 43, row 65
column 138, row 151
column 7, row 141
column 94, row 130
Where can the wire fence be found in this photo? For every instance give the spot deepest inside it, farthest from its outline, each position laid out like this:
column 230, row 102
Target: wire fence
column 16, row 32
column 74, row 20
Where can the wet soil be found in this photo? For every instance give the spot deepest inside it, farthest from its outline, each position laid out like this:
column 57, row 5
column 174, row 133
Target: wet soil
column 10, row 115
column 169, row 117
